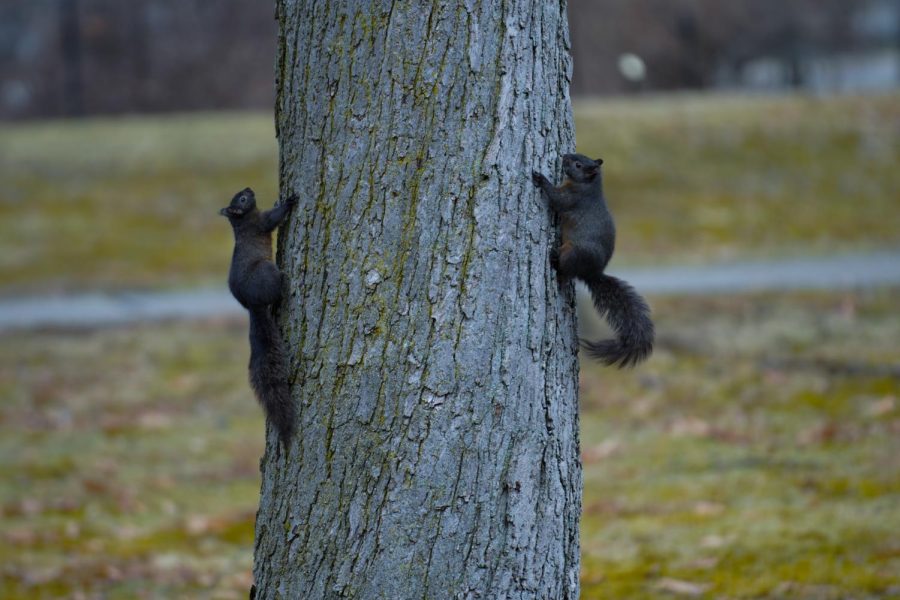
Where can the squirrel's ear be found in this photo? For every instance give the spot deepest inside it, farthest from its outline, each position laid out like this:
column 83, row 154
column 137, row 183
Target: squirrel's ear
column 599, row 161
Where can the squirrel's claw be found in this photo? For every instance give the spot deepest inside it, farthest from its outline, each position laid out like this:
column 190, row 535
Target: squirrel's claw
column 537, row 178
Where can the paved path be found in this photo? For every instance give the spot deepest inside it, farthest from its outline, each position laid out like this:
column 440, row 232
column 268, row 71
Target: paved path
column 98, row 309
column 828, row 273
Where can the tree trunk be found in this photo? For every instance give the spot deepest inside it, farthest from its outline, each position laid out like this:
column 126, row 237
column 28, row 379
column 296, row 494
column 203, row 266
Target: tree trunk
column 433, row 351
column 70, row 47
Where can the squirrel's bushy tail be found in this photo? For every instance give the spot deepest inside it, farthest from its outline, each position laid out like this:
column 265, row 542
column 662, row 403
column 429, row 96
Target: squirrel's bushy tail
column 268, row 372
column 628, row 315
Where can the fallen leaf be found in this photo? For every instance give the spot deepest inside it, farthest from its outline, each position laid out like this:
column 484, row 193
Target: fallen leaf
column 705, row 564
column 807, row 590
column 881, row 407
column 96, row 486
column 708, row 509
column 72, row 529
column 113, row 573
column 197, row 524
column 41, row 575
column 127, row 532
column 167, row 561
column 713, row 541
column 20, row 537
column 681, row 588
column 243, row 578
column 690, row 427
column 820, row 433
column 601, row 451
column 31, row 506
column 643, row 406
column 154, row 420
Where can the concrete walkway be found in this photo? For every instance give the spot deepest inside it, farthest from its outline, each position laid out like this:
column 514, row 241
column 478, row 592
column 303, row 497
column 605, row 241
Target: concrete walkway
column 99, row 309
column 827, row 273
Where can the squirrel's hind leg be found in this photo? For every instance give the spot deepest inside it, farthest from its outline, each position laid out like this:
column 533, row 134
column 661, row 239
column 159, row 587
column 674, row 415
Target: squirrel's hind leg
column 580, row 263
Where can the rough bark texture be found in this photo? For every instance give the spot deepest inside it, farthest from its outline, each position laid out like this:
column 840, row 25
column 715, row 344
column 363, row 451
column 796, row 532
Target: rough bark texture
column 433, row 351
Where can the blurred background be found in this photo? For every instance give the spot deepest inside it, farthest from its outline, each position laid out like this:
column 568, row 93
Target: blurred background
column 88, row 57
column 751, row 158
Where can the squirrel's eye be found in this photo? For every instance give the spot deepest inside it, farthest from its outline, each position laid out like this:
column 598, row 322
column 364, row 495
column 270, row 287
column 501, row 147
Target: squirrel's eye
column 243, row 200
column 577, row 165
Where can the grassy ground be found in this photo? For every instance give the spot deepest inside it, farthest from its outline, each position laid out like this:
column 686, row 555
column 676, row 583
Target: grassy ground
column 128, row 202
column 757, row 455
column 129, row 462
column 697, row 178
column 132, row 202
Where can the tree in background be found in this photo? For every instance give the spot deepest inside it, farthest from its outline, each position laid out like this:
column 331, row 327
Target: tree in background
column 685, row 43
column 433, row 350
column 157, row 55
column 66, row 57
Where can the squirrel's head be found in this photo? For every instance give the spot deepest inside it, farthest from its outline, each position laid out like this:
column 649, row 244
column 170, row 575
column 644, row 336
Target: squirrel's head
column 242, row 203
column 580, row 169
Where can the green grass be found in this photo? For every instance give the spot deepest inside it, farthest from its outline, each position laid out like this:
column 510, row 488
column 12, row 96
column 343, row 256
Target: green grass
column 694, row 178
column 128, row 202
column 129, row 463
column 756, row 455
column 132, row 202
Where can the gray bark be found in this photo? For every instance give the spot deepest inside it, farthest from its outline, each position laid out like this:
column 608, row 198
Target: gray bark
column 433, row 350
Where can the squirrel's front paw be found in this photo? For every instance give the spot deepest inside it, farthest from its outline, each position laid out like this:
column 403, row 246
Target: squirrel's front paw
column 537, row 179
column 291, row 201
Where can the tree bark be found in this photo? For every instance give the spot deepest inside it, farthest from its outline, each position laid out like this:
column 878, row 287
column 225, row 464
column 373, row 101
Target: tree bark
column 433, row 351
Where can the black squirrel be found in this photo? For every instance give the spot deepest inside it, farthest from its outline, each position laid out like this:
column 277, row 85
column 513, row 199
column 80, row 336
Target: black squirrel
column 588, row 240
column 256, row 283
